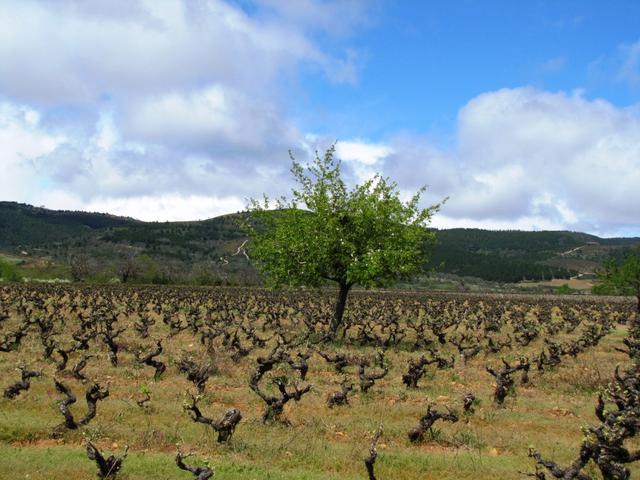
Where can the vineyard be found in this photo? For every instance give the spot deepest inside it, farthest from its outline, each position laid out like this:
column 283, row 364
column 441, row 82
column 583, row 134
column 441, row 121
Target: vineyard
column 178, row 383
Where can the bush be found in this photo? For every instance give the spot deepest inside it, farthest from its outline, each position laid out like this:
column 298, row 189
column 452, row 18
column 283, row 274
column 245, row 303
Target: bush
column 564, row 289
column 603, row 289
column 9, row 272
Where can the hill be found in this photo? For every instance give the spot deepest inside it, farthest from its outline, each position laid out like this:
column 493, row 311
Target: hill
column 510, row 256
column 47, row 241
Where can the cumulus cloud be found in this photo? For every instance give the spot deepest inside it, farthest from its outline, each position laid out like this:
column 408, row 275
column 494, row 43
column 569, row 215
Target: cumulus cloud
column 21, row 140
column 586, row 152
column 78, row 51
column 533, row 159
column 112, row 104
column 364, row 159
column 208, row 119
column 170, row 207
column 522, row 158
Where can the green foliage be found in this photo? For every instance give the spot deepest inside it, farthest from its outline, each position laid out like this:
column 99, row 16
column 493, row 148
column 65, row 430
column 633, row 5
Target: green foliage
column 504, row 256
column 490, row 266
column 9, row 272
column 623, row 275
column 366, row 236
column 564, row 289
column 26, row 225
column 603, row 289
column 150, row 271
column 205, row 274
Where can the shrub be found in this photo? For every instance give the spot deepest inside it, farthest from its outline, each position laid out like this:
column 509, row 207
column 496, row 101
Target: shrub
column 9, row 272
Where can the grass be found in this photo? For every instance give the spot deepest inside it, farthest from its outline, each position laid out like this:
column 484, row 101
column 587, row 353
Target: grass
column 323, row 443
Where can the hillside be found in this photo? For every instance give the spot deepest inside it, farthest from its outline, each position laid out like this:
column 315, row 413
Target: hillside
column 211, row 251
column 510, row 256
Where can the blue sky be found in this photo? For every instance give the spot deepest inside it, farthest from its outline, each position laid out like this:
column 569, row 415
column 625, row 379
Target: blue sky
column 423, row 60
column 526, row 114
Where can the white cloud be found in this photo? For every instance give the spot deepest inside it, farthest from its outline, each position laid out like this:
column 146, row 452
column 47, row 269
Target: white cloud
column 365, row 159
column 88, row 50
column 208, row 118
column 158, row 207
column 362, row 152
column 171, row 207
column 527, row 222
column 584, row 153
column 526, row 158
column 523, row 158
column 168, row 99
column 21, row 140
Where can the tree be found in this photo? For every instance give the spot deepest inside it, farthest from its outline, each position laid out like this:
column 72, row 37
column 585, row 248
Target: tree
column 364, row 236
column 128, row 269
column 80, row 267
column 623, row 277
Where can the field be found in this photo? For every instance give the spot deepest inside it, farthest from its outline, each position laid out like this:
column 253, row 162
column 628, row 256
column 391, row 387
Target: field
column 573, row 283
column 247, row 344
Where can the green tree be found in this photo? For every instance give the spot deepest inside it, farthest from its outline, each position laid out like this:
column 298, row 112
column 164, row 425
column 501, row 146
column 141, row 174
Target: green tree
column 623, row 277
column 326, row 232
column 9, row 272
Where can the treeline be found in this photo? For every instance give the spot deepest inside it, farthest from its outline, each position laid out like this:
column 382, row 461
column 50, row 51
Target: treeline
column 144, row 269
column 533, row 246
column 492, row 267
column 189, row 235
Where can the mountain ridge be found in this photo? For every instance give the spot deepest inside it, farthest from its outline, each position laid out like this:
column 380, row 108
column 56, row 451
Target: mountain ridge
column 180, row 247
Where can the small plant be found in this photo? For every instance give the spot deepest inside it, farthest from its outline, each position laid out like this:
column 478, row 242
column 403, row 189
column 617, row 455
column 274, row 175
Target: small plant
column 274, row 410
column 368, row 379
column 23, row 384
column 201, row 473
column 224, row 427
column 339, row 360
column 93, row 394
column 469, row 402
column 504, row 382
column 198, row 374
column 145, row 398
column 341, row 397
column 77, row 369
column 108, row 467
column 370, row 460
column 150, row 360
column 427, row 420
column 604, row 444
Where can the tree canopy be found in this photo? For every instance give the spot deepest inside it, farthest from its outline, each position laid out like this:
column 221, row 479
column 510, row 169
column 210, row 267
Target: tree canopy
column 623, row 276
column 326, row 232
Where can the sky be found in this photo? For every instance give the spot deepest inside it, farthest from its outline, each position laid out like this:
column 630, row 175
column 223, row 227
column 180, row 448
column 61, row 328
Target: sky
column 525, row 115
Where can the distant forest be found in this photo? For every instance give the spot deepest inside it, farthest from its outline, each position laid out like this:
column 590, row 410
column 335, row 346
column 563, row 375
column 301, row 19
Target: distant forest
column 210, row 247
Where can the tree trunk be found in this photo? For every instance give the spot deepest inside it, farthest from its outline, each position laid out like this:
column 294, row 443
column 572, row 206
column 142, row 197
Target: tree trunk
column 341, row 303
